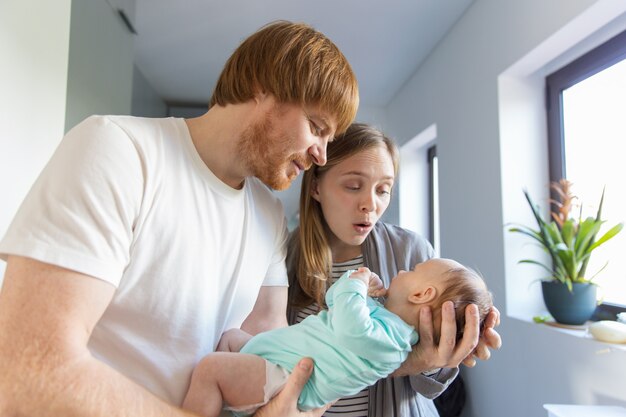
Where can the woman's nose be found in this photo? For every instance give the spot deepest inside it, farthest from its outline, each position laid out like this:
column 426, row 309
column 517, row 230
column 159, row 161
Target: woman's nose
column 368, row 203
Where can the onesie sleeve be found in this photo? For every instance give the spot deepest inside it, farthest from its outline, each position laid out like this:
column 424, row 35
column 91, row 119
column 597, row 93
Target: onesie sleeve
column 355, row 328
column 80, row 212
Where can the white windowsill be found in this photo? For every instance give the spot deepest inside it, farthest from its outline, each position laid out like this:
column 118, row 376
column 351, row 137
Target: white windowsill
column 580, row 332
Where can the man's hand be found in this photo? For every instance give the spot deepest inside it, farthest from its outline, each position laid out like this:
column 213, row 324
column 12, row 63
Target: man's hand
column 489, row 339
column 449, row 353
column 285, row 404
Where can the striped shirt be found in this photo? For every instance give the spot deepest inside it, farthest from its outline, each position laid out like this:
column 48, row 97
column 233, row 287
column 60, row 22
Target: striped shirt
column 355, row 405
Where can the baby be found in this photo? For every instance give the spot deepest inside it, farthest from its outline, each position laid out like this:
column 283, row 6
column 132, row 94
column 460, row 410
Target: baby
column 354, row 343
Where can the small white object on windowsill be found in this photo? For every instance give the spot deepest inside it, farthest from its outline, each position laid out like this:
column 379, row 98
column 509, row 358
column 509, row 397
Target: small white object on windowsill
column 608, row 331
column 621, row 317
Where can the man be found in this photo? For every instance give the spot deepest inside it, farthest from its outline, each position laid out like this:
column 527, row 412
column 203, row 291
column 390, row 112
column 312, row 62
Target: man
column 144, row 239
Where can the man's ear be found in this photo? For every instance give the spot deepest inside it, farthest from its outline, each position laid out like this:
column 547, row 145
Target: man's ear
column 315, row 191
column 259, row 95
column 423, row 295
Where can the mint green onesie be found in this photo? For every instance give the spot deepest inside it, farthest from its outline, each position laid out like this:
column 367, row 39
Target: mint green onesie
column 354, row 343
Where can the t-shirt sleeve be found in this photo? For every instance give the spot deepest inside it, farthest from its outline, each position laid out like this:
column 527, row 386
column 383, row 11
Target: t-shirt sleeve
column 80, row 212
column 276, row 275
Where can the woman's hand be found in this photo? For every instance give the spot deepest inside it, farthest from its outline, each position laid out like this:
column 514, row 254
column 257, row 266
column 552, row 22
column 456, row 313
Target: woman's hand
column 489, row 339
column 449, row 353
column 285, row 404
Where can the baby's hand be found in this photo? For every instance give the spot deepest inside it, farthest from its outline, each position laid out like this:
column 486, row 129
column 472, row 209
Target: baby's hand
column 363, row 274
column 375, row 287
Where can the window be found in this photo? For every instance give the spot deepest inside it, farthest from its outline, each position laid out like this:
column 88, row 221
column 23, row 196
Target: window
column 586, row 133
column 417, row 186
column 433, row 197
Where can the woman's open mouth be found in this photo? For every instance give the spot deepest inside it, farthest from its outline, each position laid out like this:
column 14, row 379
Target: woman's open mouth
column 361, row 228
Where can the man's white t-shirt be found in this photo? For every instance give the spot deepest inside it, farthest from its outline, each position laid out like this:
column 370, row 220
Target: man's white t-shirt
column 129, row 201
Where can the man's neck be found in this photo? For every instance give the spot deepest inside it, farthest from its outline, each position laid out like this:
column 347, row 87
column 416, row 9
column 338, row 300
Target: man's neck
column 216, row 135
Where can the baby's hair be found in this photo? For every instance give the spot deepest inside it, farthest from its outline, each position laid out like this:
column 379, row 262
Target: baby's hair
column 464, row 286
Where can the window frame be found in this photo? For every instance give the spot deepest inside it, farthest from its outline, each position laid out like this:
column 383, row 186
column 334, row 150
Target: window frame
column 591, row 63
column 431, row 154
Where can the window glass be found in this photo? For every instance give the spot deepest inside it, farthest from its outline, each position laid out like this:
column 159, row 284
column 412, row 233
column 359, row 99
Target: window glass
column 594, row 139
column 586, row 133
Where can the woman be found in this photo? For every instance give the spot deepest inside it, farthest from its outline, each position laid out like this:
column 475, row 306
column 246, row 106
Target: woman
column 340, row 205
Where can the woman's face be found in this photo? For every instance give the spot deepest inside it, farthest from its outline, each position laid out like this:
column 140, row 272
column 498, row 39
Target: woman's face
column 354, row 194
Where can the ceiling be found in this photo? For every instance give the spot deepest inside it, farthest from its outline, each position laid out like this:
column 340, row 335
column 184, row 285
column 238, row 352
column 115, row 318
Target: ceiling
column 181, row 46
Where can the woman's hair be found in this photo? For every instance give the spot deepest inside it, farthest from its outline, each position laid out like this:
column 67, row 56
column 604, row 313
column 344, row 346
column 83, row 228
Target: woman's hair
column 464, row 286
column 296, row 64
column 313, row 258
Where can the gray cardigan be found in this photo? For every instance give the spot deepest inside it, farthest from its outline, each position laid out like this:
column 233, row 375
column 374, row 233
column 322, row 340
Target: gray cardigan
column 386, row 250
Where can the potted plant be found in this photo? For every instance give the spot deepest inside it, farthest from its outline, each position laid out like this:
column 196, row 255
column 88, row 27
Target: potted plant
column 568, row 291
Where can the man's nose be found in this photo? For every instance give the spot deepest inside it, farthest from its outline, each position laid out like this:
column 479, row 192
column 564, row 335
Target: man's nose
column 318, row 153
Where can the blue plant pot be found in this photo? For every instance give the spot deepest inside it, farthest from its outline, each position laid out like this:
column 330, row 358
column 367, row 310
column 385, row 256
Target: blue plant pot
column 575, row 307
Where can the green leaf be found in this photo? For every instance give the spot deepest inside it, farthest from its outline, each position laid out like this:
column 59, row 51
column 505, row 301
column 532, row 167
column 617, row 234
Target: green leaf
column 568, row 257
column 541, row 223
column 596, row 274
column 528, row 232
column 586, row 234
column 567, row 231
column 530, row 261
column 541, row 319
column 608, row 235
column 554, row 233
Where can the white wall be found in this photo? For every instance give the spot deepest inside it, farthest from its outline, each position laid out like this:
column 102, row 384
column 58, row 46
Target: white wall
column 61, row 61
column 457, row 88
column 34, row 49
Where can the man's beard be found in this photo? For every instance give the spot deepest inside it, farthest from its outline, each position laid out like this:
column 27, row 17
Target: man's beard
column 266, row 153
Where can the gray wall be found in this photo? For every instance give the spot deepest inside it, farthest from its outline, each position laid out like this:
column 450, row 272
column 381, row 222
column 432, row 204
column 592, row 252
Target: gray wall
column 457, row 88
column 146, row 102
column 100, row 75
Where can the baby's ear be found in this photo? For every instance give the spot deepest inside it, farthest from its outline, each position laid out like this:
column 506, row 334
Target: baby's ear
column 423, row 295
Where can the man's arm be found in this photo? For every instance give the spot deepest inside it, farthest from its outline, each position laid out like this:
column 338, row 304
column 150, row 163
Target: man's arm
column 47, row 315
column 269, row 312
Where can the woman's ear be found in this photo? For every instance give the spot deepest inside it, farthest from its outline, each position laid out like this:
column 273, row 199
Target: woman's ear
column 423, row 295
column 315, row 191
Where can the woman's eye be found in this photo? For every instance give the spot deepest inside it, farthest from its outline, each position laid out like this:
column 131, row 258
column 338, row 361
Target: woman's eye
column 384, row 191
column 353, row 187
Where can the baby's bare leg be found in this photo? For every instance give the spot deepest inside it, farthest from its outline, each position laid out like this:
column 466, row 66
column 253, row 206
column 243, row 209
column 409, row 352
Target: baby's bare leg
column 237, row 379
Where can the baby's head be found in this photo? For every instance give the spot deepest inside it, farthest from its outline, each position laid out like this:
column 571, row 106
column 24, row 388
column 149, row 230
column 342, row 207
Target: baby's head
column 433, row 282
